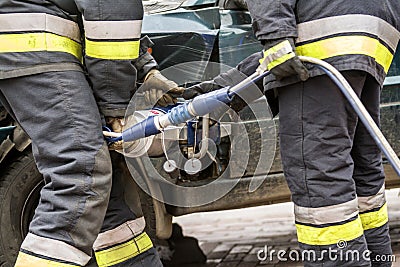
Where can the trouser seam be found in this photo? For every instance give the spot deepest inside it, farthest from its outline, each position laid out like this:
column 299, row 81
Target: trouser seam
column 301, row 119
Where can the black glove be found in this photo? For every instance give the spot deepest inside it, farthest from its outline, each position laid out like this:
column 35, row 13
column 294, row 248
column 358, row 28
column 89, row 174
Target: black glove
column 229, row 78
column 281, row 60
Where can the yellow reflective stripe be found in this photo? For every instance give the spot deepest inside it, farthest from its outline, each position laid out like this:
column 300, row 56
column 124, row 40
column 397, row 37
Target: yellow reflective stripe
column 329, row 235
column 277, row 54
column 348, row 45
column 123, row 252
column 26, row 260
column 281, row 60
column 375, row 219
column 113, row 50
column 33, row 42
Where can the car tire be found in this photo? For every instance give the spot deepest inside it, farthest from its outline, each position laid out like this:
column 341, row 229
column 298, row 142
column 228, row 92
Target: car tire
column 20, row 188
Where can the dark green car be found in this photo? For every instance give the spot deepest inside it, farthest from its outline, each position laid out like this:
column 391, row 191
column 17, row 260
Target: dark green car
column 183, row 32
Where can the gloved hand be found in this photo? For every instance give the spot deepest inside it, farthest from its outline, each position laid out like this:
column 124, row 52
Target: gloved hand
column 158, row 89
column 281, row 60
column 229, row 78
column 116, row 124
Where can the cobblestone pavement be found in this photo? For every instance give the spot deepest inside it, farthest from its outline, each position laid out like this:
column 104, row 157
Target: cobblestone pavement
column 233, row 238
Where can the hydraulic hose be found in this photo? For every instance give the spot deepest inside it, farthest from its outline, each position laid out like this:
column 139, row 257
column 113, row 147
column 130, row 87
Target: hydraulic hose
column 206, row 103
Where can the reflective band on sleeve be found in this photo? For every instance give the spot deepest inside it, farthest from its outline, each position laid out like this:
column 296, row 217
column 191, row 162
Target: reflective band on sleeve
column 327, row 215
column 375, row 219
column 354, row 23
column 372, row 202
column 281, row 60
column 114, row 30
column 113, row 50
column 123, row 252
column 120, row 234
column 55, row 249
column 33, row 42
column 26, row 260
column 24, row 22
column 329, row 235
column 277, row 54
column 348, row 45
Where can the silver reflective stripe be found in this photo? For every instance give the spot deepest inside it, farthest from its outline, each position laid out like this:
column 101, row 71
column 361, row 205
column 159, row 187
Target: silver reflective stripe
column 372, row 202
column 21, row 22
column 357, row 23
column 54, row 249
column 120, row 234
column 125, row 29
column 328, row 214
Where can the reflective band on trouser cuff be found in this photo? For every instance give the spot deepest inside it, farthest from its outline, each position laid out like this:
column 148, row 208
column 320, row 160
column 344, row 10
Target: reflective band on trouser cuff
column 329, row 235
column 372, row 202
column 26, row 260
column 34, row 42
column 328, row 214
column 123, row 50
column 54, row 249
column 120, row 234
column 374, row 219
column 113, row 30
column 124, row 251
column 348, row 45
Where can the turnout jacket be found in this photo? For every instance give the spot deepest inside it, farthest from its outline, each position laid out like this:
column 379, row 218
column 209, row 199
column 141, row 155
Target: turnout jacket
column 351, row 35
column 59, row 35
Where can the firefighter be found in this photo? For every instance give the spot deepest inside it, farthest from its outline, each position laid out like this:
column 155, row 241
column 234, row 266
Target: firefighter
column 44, row 87
column 332, row 165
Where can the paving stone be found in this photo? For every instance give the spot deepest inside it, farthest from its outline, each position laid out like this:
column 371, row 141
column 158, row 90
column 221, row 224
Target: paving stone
column 223, row 247
column 217, row 255
column 251, row 258
column 207, row 248
column 241, row 249
column 237, row 257
column 228, row 264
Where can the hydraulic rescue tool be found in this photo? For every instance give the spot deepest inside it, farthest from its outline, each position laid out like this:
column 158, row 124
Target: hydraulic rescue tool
column 206, row 103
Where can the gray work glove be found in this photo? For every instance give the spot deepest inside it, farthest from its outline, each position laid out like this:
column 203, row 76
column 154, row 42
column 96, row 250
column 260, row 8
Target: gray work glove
column 281, row 59
column 158, row 89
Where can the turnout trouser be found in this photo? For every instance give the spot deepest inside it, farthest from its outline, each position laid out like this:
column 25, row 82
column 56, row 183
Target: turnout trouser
column 334, row 171
column 59, row 113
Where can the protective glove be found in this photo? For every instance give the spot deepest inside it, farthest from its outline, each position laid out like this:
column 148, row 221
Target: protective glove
column 281, row 60
column 116, row 124
column 158, row 89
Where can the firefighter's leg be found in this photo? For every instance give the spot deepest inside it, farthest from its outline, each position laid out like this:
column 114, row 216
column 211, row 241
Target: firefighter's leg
column 59, row 113
column 369, row 178
column 122, row 240
column 317, row 126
